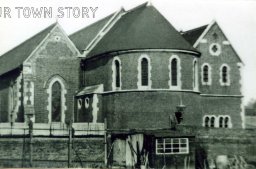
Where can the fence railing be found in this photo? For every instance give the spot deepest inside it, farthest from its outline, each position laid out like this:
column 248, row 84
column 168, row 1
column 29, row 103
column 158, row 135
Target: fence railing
column 52, row 129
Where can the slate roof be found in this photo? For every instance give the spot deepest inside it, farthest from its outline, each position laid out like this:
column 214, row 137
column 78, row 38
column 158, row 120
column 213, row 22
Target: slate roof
column 16, row 56
column 84, row 36
column 192, row 35
column 141, row 28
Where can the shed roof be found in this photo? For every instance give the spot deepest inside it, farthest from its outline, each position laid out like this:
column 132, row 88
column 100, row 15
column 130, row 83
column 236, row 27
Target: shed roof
column 16, row 56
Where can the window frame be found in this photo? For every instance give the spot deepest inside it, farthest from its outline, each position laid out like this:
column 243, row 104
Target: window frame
column 63, row 85
column 114, row 74
column 209, row 82
column 195, row 75
column 222, row 83
column 139, row 76
column 178, row 73
column 171, row 144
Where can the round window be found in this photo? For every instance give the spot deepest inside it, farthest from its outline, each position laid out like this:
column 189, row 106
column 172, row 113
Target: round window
column 215, row 49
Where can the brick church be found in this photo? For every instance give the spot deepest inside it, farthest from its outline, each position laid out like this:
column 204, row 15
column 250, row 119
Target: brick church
column 135, row 91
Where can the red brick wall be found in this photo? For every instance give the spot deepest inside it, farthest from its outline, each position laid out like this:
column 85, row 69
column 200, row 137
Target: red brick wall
column 54, row 58
column 52, row 152
column 100, row 70
column 227, row 56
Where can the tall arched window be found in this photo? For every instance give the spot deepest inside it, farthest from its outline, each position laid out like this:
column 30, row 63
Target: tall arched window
column 195, row 75
column 174, row 75
column 212, row 122
column 224, row 75
column 56, row 102
column 56, row 89
column 117, row 79
column 116, row 76
column 144, row 72
column 221, row 122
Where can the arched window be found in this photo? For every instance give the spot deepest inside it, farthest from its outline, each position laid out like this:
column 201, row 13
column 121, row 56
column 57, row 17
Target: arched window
column 56, row 89
column 212, row 124
column 221, row 122
column 224, row 75
column 206, row 121
column 56, row 102
column 226, row 122
column 117, row 79
column 174, row 72
column 116, row 76
column 195, row 75
column 144, row 72
column 206, row 74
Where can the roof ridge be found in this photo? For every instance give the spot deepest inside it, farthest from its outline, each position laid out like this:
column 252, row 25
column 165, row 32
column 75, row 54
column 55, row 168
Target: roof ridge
column 137, row 7
column 105, row 17
column 194, row 29
column 51, row 25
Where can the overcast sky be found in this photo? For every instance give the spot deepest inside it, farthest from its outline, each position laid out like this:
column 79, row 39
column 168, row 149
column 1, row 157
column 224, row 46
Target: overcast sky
column 235, row 17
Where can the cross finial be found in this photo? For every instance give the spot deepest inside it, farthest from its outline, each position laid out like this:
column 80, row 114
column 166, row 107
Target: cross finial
column 149, row 3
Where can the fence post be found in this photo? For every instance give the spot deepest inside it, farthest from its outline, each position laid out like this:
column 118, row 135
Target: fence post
column 69, row 144
column 30, row 125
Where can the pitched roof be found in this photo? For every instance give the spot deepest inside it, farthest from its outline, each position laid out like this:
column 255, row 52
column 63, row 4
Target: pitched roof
column 16, row 56
column 192, row 35
column 83, row 37
column 141, row 28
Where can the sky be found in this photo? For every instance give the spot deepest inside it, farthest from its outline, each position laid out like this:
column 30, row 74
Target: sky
column 236, row 18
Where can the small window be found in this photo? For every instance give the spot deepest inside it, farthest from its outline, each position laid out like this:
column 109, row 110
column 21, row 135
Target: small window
column 86, row 102
column 144, row 72
column 221, row 122
column 79, row 103
column 206, row 121
column 172, row 146
column 212, row 122
column 226, row 122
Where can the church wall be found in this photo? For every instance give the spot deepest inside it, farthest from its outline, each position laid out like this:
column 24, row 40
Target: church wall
column 220, row 106
column 55, row 58
column 227, row 55
column 100, row 70
column 127, row 110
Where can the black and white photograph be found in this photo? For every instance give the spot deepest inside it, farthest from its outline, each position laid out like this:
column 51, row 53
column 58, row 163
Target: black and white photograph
column 136, row 84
